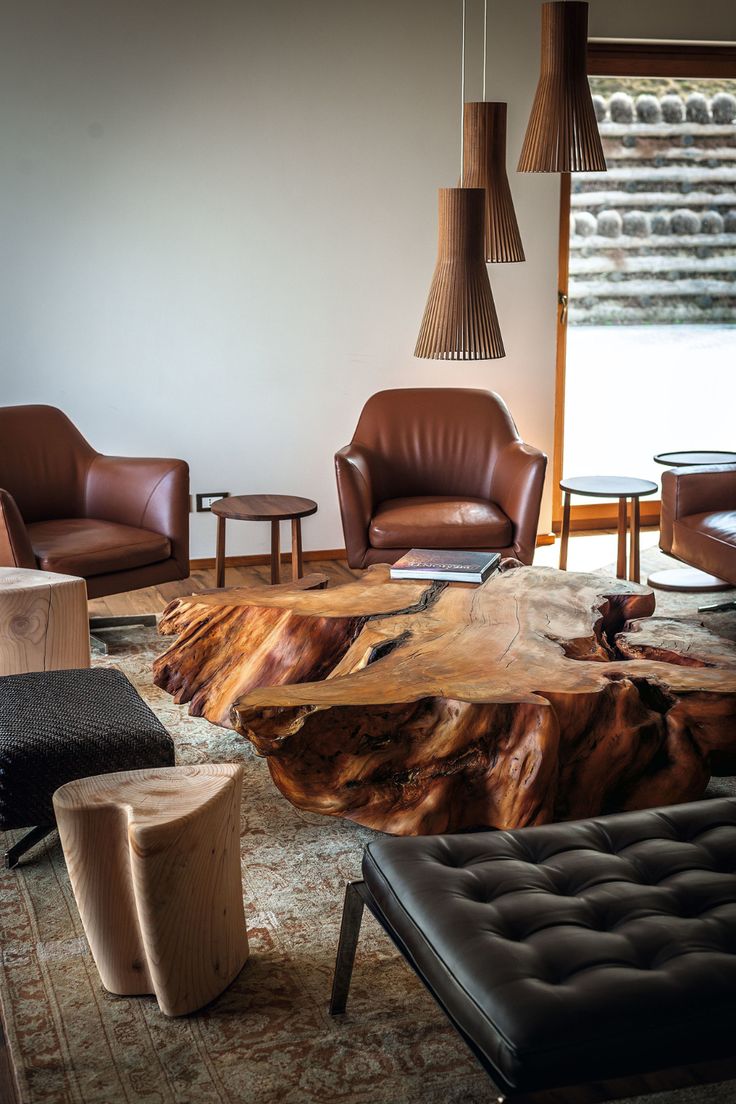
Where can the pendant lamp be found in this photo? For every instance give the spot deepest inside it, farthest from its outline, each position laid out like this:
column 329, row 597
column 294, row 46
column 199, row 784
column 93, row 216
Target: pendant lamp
column 484, row 166
column 460, row 320
column 562, row 135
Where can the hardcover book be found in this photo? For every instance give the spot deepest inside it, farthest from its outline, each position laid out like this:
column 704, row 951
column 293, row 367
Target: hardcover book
column 433, row 563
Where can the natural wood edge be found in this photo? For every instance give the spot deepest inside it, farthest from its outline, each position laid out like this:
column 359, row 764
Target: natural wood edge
column 408, row 707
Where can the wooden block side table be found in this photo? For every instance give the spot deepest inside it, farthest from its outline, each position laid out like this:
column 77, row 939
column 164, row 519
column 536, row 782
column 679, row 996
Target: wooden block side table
column 273, row 508
column 610, row 486
column 154, row 861
column 44, row 624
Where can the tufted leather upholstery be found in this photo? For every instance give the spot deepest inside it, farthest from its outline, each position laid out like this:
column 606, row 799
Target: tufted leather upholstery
column 574, row 952
column 119, row 522
column 437, row 467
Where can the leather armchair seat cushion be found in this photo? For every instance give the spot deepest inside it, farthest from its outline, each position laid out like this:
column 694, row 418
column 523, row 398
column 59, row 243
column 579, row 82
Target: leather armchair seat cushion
column 439, row 521
column 88, row 547
column 708, row 540
column 575, row 952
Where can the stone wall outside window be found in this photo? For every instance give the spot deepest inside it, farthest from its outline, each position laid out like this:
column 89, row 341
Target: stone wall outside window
column 653, row 240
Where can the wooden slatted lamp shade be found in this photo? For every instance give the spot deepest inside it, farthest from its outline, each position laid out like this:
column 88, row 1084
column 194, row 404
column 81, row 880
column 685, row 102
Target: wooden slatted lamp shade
column 460, row 320
column 562, row 135
column 484, row 166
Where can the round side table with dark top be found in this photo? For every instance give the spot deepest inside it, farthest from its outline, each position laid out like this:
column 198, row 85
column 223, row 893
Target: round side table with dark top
column 621, row 487
column 265, row 507
column 693, row 458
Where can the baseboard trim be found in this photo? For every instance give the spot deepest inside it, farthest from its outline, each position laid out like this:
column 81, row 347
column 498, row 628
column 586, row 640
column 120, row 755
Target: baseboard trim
column 593, row 524
column 261, row 560
column 264, row 558
column 604, row 515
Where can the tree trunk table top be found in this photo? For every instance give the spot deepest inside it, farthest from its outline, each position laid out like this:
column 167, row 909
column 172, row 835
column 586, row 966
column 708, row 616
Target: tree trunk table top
column 417, row 707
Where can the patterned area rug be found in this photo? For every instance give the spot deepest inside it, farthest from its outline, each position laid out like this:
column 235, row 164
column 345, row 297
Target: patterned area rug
column 269, row 1038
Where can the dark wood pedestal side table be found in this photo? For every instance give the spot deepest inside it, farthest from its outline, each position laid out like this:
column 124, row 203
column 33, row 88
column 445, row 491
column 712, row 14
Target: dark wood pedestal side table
column 609, row 486
column 273, row 508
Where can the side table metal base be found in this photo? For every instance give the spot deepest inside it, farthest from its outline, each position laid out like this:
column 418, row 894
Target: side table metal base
column 687, row 580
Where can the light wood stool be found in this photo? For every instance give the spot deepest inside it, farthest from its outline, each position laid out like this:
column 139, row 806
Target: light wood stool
column 154, row 861
column 43, row 621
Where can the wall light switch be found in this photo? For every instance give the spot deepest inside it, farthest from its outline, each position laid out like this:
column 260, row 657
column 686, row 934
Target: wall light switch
column 205, row 501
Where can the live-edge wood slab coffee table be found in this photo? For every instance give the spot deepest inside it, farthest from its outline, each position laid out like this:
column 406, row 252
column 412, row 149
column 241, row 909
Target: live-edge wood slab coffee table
column 265, row 507
column 417, row 707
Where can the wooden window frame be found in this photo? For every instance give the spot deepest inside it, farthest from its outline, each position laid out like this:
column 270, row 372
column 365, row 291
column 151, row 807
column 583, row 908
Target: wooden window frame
column 608, row 58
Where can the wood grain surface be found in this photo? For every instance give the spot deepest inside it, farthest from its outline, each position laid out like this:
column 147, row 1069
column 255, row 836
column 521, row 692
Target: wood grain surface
column 43, row 621
column 460, row 321
column 154, row 861
column 562, row 134
column 264, row 507
column 484, row 166
column 415, row 707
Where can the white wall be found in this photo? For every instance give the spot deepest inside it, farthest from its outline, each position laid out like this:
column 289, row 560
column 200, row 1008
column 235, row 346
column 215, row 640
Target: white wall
column 219, row 222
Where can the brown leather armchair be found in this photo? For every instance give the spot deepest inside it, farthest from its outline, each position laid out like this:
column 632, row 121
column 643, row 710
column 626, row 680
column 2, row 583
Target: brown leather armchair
column 698, row 522
column 438, row 468
column 119, row 522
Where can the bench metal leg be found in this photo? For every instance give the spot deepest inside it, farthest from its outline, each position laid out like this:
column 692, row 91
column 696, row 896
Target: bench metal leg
column 352, row 915
column 26, row 842
column 719, row 607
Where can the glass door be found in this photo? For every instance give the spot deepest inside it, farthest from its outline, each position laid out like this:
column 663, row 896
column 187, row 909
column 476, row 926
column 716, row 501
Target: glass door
column 650, row 359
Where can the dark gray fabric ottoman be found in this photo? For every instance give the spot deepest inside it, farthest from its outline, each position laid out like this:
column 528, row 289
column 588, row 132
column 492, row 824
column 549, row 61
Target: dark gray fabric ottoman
column 56, row 726
column 570, row 953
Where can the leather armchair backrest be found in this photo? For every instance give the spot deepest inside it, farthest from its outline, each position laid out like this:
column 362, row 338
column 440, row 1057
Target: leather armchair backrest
column 434, row 440
column 44, row 461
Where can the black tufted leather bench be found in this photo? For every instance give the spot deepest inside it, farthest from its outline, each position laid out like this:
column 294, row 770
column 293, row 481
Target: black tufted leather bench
column 568, row 953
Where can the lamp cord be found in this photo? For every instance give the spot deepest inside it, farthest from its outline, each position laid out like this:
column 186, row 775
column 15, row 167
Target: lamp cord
column 485, row 43
column 462, row 101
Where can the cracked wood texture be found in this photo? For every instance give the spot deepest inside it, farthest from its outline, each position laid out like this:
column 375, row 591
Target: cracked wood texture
column 418, row 707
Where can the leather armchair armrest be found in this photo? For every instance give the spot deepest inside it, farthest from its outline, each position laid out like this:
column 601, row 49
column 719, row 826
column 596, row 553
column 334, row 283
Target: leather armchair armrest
column 146, row 493
column 355, row 494
column 518, row 480
column 697, row 490
column 15, row 544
